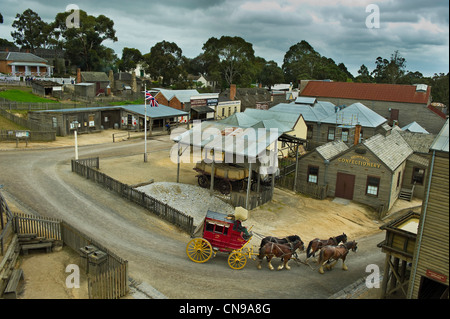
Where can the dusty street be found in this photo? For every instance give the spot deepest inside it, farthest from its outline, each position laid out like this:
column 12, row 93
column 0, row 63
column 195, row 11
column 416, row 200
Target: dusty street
column 40, row 181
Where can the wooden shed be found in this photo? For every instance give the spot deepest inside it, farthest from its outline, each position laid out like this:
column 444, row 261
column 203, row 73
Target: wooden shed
column 430, row 271
column 398, row 246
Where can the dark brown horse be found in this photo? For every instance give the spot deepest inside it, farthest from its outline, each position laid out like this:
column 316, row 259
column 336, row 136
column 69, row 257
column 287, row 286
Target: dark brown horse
column 285, row 240
column 285, row 251
column 328, row 253
column 315, row 244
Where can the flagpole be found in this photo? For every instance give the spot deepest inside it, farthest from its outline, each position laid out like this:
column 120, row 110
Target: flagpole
column 145, row 123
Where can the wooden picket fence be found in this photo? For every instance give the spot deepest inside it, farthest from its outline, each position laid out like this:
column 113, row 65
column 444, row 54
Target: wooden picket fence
column 110, row 281
column 89, row 169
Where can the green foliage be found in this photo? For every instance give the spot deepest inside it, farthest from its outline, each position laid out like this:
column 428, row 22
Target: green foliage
column 231, row 57
column 83, row 45
column 302, row 62
column 23, row 96
column 30, row 30
column 165, row 61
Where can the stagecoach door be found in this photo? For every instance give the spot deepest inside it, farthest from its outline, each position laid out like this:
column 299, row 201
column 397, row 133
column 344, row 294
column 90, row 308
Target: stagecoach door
column 345, row 184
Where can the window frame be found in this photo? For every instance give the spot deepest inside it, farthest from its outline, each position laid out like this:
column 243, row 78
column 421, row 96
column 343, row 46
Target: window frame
column 369, row 184
column 309, row 174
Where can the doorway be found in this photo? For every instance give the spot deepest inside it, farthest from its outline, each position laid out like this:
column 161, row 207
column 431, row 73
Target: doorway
column 345, row 184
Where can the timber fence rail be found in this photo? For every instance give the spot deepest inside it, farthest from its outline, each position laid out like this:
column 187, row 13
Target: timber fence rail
column 109, row 280
column 89, row 168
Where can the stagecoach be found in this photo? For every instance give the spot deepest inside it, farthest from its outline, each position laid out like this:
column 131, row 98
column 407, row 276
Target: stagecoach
column 218, row 233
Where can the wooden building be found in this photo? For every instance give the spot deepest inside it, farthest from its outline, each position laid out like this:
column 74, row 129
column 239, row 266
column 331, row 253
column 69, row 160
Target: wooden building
column 371, row 172
column 401, row 235
column 430, row 271
column 395, row 102
column 92, row 119
column 327, row 122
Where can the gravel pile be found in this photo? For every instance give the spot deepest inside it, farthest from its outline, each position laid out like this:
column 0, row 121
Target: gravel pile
column 189, row 199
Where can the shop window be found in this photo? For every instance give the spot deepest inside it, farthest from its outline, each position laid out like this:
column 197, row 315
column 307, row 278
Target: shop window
column 399, row 179
column 418, row 175
column 331, row 134
column 345, row 135
column 313, row 174
column 373, row 185
column 309, row 132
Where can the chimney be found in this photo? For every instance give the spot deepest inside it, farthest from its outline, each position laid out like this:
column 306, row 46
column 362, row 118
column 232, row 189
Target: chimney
column 357, row 134
column 78, row 75
column 133, row 82
column 232, row 91
column 111, row 79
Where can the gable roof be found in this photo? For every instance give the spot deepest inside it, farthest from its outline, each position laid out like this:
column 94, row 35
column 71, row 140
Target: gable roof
column 315, row 113
column 392, row 150
column 367, row 91
column 184, row 96
column 332, row 149
column 414, row 127
column 442, row 140
column 354, row 114
column 94, row 77
column 21, row 57
column 287, row 119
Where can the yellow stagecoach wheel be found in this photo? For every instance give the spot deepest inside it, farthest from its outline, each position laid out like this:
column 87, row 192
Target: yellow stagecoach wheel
column 199, row 250
column 237, row 260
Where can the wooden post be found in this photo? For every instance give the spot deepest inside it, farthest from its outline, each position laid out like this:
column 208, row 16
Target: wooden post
column 296, row 168
column 211, row 188
column 178, row 163
column 248, row 183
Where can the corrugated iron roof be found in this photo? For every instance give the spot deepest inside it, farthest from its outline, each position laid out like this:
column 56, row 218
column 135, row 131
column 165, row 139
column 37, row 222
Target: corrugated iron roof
column 246, row 142
column 415, row 128
column 442, row 140
column 354, row 114
column 367, row 91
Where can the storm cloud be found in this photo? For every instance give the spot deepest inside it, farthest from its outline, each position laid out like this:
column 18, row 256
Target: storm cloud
column 335, row 28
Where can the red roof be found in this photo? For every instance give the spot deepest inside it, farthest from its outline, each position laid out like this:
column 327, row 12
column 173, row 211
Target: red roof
column 367, row 91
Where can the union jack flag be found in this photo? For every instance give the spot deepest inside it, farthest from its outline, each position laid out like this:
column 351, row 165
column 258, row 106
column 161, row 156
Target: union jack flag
column 151, row 99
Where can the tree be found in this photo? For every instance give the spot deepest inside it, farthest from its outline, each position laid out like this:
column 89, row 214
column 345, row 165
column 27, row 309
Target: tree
column 271, row 74
column 130, row 59
column 302, row 62
column 364, row 75
column 440, row 88
column 83, row 45
column 232, row 57
column 389, row 71
column 165, row 60
column 299, row 62
column 29, row 30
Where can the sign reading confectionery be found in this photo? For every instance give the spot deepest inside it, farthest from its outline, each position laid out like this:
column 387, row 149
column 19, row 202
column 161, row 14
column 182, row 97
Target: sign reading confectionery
column 358, row 160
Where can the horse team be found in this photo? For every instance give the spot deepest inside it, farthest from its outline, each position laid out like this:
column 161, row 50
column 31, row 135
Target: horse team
column 330, row 250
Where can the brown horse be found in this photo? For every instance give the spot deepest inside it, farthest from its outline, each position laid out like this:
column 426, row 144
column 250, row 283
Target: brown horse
column 315, row 244
column 328, row 253
column 285, row 251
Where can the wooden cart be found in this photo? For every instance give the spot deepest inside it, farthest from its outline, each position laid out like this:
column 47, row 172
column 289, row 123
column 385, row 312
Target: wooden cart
column 226, row 176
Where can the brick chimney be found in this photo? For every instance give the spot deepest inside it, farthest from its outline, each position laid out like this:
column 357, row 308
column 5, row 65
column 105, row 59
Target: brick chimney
column 357, row 134
column 232, row 91
column 78, row 75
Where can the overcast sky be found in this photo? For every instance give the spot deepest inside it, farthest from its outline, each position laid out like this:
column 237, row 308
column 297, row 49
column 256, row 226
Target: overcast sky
column 337, row 29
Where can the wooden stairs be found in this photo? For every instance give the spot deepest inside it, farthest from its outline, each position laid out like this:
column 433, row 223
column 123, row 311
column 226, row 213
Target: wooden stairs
column 407, row 194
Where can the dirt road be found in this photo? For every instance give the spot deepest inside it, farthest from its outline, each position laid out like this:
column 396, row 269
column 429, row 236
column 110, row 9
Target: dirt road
column 40, row 181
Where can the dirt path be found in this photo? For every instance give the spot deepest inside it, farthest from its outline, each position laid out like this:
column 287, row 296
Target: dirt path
column 286, row 214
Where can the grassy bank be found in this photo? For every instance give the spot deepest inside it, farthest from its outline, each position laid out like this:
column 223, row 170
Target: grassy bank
column 23, row 96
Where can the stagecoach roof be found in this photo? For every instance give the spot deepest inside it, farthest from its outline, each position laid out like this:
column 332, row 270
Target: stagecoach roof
column 217, row 216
